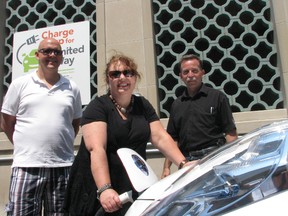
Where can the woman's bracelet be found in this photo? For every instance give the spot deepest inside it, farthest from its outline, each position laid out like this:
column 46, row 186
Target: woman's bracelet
column 102, row 189
column 182, row 163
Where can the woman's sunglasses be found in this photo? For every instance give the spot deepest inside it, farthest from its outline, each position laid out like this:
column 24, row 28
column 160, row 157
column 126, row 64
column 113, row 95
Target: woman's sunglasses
column 117, row 74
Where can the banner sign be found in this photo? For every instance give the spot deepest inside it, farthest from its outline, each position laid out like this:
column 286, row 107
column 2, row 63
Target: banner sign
column 75, row 41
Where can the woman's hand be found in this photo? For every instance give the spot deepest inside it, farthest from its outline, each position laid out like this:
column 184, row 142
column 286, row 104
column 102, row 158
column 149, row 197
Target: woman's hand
column 193, row 163
column 110, row 201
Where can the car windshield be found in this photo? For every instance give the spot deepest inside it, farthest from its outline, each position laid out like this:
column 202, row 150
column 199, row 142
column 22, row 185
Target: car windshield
column 247, row 170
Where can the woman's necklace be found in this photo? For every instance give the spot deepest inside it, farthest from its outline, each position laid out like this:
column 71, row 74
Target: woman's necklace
column 122, row 109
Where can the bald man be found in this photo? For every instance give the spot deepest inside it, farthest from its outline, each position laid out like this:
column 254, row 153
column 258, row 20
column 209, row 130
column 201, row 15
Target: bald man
column 40, row 115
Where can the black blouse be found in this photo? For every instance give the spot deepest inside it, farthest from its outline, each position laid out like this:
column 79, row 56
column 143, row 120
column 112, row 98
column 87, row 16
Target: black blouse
column 134, row 132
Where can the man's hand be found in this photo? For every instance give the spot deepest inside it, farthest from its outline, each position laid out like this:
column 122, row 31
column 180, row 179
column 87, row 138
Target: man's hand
column 166, row 172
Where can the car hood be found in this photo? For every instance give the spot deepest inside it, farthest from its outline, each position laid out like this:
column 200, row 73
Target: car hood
column 224, row 180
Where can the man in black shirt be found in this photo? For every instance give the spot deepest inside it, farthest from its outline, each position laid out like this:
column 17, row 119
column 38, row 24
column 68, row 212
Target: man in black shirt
column 200, row 119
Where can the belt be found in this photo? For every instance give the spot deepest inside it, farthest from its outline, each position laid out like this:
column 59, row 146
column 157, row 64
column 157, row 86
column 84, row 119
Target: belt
column 198, row 154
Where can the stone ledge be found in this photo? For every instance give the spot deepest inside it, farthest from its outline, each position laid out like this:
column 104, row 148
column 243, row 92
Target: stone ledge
column 245, row 122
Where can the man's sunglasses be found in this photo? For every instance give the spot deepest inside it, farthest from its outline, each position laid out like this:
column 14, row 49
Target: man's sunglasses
column 117, row 74
column 47, row 52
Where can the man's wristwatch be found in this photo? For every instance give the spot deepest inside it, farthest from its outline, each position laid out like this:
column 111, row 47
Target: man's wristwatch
column 182, row 163
column 105, row 187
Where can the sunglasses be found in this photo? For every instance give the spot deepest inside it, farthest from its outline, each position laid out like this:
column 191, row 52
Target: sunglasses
column 117, row 74
column 48, row 51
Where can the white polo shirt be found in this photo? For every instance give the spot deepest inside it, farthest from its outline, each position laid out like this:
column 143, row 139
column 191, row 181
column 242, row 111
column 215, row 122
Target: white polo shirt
column 44, row 134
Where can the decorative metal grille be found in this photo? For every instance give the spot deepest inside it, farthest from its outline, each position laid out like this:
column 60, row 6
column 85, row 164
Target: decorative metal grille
column 34, row 14
column 235, row 39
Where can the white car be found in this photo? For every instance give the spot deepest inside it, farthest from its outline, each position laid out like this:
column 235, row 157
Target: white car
column 246, row 177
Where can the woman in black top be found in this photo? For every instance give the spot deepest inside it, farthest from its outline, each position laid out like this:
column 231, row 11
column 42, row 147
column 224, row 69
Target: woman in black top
column 116, row 120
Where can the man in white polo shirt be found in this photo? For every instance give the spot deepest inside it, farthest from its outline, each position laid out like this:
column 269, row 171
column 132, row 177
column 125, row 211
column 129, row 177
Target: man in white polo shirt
column 41, row 115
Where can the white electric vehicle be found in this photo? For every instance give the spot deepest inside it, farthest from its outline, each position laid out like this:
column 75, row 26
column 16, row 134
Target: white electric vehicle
column 246, row 177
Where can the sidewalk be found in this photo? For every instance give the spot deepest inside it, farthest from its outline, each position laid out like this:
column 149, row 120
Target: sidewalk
column 2, row 213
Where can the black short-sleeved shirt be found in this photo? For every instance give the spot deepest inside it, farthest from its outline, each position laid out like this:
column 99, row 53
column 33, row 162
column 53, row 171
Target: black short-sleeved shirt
column 132, row 133
column 197, row 122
